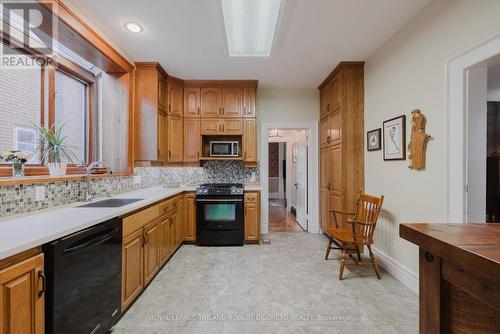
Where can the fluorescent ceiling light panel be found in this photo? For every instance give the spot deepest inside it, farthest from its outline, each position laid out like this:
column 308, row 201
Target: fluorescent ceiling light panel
column 250, row 26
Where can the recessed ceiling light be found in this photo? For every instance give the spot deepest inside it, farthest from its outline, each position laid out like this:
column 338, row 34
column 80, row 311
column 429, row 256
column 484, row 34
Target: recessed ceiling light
column 250, row 26
column 133, row 26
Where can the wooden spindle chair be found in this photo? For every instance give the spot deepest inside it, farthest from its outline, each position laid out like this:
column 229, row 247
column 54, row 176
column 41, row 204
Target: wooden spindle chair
column 359, row 234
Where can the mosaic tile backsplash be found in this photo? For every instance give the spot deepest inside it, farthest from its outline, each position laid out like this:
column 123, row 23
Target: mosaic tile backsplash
column 20, row 199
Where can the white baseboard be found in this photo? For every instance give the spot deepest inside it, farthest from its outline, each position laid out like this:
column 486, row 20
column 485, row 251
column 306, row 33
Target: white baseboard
column 400, row 272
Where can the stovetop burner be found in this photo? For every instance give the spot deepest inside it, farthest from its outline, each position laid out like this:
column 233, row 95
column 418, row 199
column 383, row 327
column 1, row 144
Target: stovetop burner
column 214, row 189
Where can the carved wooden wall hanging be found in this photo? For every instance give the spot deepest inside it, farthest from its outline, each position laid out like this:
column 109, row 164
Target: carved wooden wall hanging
column 418, row 141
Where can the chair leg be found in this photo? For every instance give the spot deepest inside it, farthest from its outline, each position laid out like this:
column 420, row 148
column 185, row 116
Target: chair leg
column 359, row 255
column 375, row 267
column 329, row 247
column 342, row 262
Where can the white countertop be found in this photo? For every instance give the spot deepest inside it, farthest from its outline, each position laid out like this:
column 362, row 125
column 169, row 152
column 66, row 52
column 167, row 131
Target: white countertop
column 20, row 233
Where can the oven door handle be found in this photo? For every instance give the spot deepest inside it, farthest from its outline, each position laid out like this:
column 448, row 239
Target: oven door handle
column 229, row 200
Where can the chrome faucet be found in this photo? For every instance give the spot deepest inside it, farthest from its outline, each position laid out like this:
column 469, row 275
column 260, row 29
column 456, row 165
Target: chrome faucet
column 93, row 165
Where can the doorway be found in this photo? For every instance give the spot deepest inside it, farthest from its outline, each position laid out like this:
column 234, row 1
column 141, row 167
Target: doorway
column 483, row 142
column 288, row 180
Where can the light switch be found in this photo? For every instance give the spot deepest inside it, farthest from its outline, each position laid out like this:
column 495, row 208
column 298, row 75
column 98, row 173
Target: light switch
column 137, row 179
column 39, row 193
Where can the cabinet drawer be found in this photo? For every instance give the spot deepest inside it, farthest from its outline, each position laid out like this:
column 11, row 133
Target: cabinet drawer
column 169, row 205
column 251, row 197
column 138, row 220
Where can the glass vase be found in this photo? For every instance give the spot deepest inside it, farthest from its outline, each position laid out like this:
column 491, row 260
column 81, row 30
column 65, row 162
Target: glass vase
column 17, row 169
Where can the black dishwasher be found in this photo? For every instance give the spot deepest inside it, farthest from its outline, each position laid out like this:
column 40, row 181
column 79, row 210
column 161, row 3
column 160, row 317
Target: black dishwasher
column 84, row 280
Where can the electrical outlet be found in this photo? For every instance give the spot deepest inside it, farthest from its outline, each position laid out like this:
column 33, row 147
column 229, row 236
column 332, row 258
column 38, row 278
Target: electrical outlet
column 39, row 193
column 137, row 179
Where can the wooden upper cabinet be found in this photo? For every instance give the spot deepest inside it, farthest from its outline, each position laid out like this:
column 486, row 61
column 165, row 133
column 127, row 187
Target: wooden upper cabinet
column 162, row 137
column 150, row 108
column 162, row 92
column 231, row 126
column 325, row 100
column 192, row 102
column 249, row 97
column 211, row 101
column 175, row 98
column 175, row 139
column 232, row 102
column 249, row 140
column 22, row 298
column 192, row 139
column 210, row 126
column 335, row 88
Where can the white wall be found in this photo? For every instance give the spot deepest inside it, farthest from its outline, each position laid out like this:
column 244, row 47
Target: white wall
column 409, row 72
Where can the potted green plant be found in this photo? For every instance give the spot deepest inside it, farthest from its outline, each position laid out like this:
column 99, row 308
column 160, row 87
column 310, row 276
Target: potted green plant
column 18, row 159
column 53, row 149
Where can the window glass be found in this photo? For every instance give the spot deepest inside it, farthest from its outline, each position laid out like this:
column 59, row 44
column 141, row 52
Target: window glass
column 20, row 99
column 70, row 111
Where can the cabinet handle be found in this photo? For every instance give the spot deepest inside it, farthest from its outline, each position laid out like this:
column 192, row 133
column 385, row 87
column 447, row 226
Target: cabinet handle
column 329, row 186
column 158, row 151
column 169, row 154
column 143, row 240
column 169, row 107
column 198, row 154
column 328, row 139
column 41, row 276
column 222, row 110
column 198, row 110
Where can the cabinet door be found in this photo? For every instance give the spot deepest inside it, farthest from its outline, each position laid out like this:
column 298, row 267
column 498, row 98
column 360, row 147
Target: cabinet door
column 177, row 229
column 22, row 298
column 162, row 93
column 324, row 209
column 162, row 137
column 325, row 100
column 232, row 102
column 249, row 140
column 249, row 97
column 192, row 102
column 324, row 132
column 211, row 102
column 151, row 250
column 335, row 181
column 190, row 222
column 132, row 267
column 232, row 126
column 165, row 239
column 335, row 127
column 175, row 99
column 192, row 139
column 211, row 126
column 335, row 92
column 251, row 222
column 175, row 139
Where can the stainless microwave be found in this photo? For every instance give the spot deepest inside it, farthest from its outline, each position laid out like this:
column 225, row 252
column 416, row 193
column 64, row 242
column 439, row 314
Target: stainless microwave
column 224, row 149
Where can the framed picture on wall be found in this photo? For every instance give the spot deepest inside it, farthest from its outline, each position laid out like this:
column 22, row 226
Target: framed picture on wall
column 395, row 138
column 373, row 142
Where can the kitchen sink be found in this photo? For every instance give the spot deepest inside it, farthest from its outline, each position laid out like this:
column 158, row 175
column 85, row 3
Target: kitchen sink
column 111, row 203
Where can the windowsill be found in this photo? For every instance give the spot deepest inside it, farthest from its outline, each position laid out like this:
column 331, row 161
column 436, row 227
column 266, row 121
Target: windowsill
column 11, row 181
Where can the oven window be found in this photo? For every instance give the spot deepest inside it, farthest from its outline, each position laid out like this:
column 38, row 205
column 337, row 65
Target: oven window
column 220, row 212
column 221, row 149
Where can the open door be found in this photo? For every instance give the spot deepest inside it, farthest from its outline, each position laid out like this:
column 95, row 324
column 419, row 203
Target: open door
column 301, row 184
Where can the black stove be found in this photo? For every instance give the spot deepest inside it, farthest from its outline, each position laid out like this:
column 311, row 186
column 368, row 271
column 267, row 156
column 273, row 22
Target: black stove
column 219, row 214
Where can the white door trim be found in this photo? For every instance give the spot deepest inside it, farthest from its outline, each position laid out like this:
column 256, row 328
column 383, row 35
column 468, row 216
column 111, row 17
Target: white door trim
column 312, row 167
column 456, row 124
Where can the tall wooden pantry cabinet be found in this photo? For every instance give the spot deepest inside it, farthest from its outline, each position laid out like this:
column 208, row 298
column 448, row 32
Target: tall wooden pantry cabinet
column 341, row 141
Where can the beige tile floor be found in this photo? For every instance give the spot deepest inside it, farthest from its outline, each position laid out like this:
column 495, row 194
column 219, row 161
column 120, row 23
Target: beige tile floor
column 284, row 279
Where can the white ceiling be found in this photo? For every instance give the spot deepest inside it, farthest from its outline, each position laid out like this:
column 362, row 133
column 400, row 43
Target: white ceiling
column 187, row 36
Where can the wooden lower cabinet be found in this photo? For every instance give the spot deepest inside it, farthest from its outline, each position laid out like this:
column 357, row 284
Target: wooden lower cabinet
column 190, row 220
column 132, row 267
column 166, row 239
column 22, row 297
column 151, row 250
column 252, row 217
